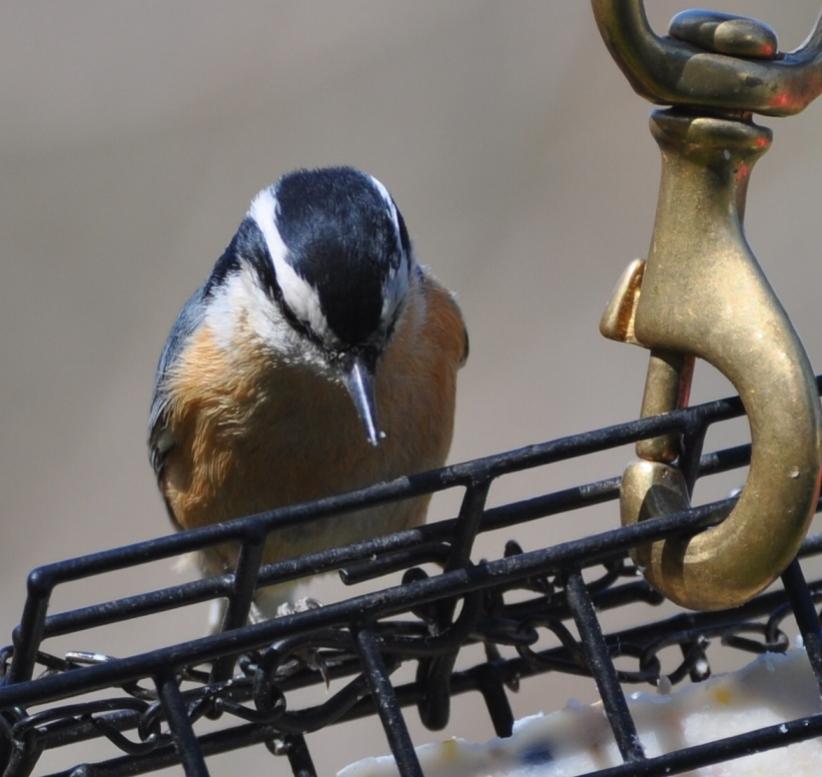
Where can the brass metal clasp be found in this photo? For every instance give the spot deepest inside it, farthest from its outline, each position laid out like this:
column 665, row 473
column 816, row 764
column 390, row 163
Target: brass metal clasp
column 702, row 294
column 711, row 60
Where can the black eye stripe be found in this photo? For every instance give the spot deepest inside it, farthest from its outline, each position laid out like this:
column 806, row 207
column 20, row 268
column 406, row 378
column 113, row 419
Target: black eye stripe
column 404, row 239
column 300, row 326
column 272, row 288
column 389, row 331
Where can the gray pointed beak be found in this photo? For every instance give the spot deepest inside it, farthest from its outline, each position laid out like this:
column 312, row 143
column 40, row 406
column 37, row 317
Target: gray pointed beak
column 359, row 380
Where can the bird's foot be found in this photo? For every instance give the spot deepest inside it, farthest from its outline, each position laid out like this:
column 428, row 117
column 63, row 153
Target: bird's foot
column 301, row 605
column 310, row 657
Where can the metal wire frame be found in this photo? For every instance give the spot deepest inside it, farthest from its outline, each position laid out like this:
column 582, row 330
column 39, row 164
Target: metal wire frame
column 362, row 637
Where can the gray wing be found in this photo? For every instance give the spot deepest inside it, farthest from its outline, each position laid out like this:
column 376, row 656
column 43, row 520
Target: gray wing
column 189, row 319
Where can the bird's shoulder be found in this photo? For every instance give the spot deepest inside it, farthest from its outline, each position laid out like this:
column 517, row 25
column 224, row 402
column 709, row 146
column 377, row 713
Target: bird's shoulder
column 444, row 315
column 188, row 320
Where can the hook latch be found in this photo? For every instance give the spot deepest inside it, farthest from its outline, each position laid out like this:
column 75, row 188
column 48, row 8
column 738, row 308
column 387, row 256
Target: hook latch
column 702, row 294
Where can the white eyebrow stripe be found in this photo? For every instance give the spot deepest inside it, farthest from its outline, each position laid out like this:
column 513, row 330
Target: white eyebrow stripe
column 396, row 282
column 391, row 207
column 298, row 294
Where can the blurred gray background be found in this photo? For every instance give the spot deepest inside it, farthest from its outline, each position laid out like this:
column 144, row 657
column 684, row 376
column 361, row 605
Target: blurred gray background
column 133, row 136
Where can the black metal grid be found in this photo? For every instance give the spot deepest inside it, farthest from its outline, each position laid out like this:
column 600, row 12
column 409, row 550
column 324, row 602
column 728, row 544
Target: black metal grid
column 248, row 672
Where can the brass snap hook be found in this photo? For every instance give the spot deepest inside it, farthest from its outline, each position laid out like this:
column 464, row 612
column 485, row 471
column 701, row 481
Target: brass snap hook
column 702, row 294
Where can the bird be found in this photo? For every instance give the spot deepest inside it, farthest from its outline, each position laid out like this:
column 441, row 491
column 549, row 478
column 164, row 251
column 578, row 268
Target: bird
column 318, row 357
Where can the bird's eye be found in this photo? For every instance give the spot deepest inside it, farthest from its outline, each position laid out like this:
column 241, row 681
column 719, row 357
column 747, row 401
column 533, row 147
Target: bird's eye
column 298, row 324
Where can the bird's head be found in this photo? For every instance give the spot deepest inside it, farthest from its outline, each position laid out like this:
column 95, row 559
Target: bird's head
column 320, row 269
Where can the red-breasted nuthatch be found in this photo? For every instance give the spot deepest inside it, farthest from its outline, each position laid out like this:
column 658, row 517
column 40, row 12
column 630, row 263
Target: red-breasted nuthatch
column 318, row 357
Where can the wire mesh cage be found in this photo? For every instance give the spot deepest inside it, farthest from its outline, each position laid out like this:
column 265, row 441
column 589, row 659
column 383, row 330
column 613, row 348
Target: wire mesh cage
column 151, row 706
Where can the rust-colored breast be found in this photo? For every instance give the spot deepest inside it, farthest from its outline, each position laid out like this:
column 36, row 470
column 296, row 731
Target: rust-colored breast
column 250, row 434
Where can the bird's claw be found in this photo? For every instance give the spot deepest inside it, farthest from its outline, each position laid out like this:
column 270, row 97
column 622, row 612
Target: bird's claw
column 310, row 657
